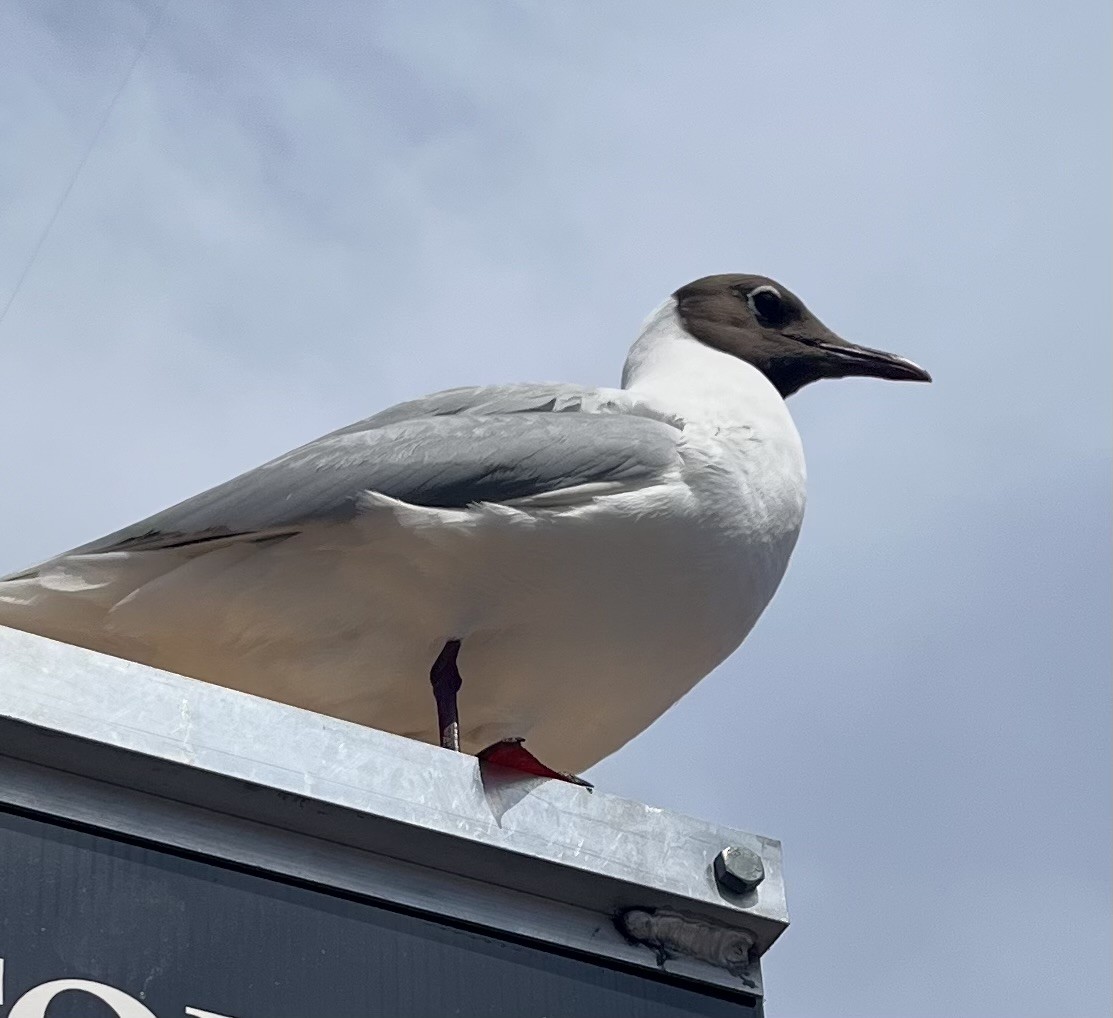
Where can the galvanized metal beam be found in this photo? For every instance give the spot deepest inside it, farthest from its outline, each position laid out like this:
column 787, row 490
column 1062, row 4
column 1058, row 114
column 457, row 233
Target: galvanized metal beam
column 187, row 764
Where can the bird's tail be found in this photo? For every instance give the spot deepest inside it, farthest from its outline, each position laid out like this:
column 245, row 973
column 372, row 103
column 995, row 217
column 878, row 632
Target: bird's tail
column 69, row 599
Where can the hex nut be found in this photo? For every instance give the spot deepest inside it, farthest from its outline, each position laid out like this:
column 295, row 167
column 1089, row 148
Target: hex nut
column 738, row 870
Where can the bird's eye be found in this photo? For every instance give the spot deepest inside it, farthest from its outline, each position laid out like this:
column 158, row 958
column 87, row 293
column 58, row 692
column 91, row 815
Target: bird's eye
column 768, row 305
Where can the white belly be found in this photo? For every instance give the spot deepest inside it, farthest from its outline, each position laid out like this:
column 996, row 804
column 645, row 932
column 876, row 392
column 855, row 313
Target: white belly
column 578, row 628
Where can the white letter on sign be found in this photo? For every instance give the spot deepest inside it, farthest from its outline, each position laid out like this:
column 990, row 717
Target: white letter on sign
column 34, row 1002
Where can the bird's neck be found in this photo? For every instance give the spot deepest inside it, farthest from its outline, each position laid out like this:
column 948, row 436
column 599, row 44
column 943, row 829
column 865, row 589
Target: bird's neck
column 672, row 369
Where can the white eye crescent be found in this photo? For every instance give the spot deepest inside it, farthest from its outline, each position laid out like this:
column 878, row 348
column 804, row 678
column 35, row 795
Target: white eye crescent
column 763, row 299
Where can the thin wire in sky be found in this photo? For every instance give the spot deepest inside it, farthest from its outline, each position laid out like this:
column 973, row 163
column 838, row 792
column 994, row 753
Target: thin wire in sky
column 154, row 23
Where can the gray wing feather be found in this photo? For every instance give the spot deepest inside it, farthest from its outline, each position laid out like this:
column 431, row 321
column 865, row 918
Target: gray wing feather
column 527, row 397
column 457, row 456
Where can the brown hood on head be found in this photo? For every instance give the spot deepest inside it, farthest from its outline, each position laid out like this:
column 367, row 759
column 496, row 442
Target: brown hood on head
column 759, row 321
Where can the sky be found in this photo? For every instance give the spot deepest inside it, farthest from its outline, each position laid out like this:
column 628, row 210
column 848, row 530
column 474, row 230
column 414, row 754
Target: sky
column 295, row 215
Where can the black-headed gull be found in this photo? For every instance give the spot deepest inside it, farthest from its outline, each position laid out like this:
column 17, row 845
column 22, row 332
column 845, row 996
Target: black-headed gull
column 561, row 562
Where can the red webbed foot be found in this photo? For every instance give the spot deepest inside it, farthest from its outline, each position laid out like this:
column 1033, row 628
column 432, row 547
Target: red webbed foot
column 512, row 754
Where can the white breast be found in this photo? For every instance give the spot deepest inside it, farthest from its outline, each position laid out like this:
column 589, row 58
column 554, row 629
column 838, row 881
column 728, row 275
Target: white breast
column 745, row 461
column 744, row 452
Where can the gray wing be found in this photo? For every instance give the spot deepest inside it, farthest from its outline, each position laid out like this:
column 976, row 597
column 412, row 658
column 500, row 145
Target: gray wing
column 449, row 450
column 528, row 397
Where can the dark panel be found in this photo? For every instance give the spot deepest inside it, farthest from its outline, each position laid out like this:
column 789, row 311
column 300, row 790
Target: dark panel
column 179, row 932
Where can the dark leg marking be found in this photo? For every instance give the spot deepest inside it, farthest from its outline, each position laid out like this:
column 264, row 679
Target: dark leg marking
column 445, row 677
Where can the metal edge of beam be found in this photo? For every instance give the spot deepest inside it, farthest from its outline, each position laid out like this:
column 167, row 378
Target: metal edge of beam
column 227, row 752
column 163, row 823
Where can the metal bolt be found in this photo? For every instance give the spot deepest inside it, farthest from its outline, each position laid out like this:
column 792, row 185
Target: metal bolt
column 738, row 870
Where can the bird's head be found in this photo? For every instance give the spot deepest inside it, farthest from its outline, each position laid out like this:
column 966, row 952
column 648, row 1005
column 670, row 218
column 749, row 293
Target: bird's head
column 765, row 324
